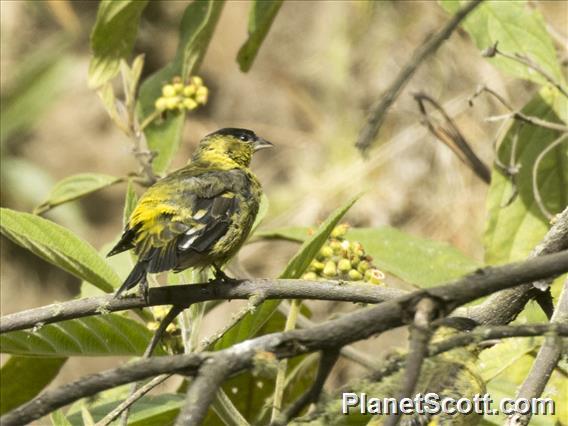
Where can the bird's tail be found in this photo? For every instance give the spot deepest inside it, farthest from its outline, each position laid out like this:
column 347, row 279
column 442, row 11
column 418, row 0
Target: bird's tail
column 137, row 274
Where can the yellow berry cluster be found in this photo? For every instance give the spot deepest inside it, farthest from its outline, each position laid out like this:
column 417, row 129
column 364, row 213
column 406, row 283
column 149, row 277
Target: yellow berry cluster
column 182, row 97
column 171, row 337
column 341, row 259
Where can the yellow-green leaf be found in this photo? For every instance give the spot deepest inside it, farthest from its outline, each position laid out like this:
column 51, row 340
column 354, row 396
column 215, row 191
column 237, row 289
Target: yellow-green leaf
column 112, row 38
column 58, row 246
column 261, row 16
column 73, row 187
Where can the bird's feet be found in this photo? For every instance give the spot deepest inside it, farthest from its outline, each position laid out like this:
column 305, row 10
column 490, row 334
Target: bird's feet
column 221, row 276
column 144, row 290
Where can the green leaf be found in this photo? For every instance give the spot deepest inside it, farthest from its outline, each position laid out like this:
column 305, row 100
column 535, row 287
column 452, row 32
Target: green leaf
column 519, row 29
column 251, row 324
column 23, row 378
column 58, row 246
column 159, row 410
column 196, row 29
column 73, row 187
column 495, row 360
column 58, row 419
column 261, row 16
column 417, row 261
column 103, row 335
column 113, row 37
column 513, row 230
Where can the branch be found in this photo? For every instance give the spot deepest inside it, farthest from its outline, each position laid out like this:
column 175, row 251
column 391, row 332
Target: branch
column 503, row 307
column 517, row 115
column 182, row 295
column 545, row 362
column 478, row 335
column 452, row 137
column 327, row 362
column 329, row 335
column 429, row 46
column 202, row 391
column 420, row 335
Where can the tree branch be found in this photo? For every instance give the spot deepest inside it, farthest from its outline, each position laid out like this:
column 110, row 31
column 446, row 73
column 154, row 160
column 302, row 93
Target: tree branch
column 429, row 46
column 329, row 335
column 545, row 362
column 503, row 307
column 182, row 295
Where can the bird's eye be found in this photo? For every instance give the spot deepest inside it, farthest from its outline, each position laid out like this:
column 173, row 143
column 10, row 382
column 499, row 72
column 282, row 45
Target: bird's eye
column 244, row 138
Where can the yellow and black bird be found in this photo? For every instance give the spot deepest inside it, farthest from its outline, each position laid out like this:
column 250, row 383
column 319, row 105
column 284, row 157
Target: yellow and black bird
column 199, row 215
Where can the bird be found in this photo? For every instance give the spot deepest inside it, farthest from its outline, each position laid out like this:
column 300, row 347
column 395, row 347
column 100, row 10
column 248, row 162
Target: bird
column 198, row 216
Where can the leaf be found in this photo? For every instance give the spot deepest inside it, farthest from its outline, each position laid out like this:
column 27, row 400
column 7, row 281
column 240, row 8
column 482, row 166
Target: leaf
column 518, row 29
column 73, row 187
column 513, row 230
column 159, row 410
column 196, row 29
column 103, row 335
column 23, row 378
column 251, row 324
column 58, row 419
column 250, row 391
column 113, row 37
column 417, row 261
column 261, row 16
column 495, row 360
column 58, row 246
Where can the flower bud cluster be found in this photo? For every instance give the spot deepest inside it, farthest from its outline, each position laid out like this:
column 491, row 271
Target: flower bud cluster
column 344, row 260
column 182, row 97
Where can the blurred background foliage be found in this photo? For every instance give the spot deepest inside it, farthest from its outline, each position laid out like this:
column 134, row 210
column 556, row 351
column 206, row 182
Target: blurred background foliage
column 320, row 68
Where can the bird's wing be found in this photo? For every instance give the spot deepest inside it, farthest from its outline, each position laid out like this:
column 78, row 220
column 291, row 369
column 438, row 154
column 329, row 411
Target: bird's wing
column 179, row 215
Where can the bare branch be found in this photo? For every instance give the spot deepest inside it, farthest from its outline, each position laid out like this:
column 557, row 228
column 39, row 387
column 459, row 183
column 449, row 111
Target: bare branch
column 420, row 335
column 517, row 115
column 184, row 295
column 503, row 307
column 329, row 335
column 545, row 362
column 328, row 360
column 429, row 46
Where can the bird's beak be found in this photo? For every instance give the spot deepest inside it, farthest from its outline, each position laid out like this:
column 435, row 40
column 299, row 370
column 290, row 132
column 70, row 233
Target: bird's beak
column 260, row 143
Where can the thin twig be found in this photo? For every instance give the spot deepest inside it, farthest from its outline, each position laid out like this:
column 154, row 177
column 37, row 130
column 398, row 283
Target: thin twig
column 254, row 302
column 545, row 362
column 476, row 336
column 525, row 60
column 332, row 334
column 280, row 384
column 536, row 191
column 133, row 394
column 517, row 115
column 420, row 335
column 452, row 137
column 429, row 46
column 328, row 360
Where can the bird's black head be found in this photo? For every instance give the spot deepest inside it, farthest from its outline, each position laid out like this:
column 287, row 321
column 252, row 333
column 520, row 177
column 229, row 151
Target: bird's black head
column 230, row 144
